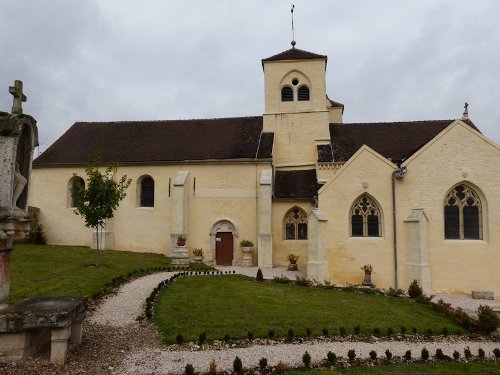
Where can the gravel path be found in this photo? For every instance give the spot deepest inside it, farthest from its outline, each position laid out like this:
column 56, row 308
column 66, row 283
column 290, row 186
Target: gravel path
column 466, row 302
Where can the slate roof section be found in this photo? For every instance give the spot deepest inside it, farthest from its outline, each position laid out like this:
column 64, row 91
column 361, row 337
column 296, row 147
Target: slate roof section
column 325, row 153
column 296, row 184
column 162, row 141
column 395, row 140
column 294, row 54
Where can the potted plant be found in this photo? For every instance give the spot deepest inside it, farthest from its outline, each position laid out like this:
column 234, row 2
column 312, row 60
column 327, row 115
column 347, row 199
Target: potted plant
column 292, row 258
column 368, row 275
column 181, row 241
column 247, row 249
column 198, row 255
column 367, row 268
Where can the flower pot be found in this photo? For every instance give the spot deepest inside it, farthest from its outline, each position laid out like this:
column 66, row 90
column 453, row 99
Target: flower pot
column 293, row 261
column 247, row 256
column 181, row 244
column 368, row 272
column 198, row 258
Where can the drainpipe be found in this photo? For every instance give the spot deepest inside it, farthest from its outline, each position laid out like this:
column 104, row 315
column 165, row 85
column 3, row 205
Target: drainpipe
column 398, row 173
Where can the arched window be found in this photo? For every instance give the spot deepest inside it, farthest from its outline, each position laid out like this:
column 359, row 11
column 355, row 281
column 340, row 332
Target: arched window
column 286, row 94
column 463, row 214
column 295, row 224
column 147, row 192
column 77, row 186
column 365, row 218
column 303, row 93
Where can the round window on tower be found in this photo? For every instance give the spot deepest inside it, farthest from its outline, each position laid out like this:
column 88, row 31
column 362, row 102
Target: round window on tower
column 295, row 82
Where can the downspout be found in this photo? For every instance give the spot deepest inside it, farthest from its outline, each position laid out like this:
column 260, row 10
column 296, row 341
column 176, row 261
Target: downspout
column 257, row 189
column 398, row 173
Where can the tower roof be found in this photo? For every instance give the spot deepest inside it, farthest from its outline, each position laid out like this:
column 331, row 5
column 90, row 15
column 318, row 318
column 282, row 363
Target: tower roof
column 294, row 54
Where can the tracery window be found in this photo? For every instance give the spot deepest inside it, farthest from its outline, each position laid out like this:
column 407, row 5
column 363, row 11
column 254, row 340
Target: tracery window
column 147, row 192
column 365, row 218
column 286, row 94
column 295, row 224
column 463, row 214
column 75, row 192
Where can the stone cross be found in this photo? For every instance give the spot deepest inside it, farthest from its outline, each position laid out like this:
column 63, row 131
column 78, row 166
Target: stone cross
column 466, row 111
column 19, row 97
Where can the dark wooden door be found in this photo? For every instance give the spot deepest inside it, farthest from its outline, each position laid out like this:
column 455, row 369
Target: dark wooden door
column 224, row 249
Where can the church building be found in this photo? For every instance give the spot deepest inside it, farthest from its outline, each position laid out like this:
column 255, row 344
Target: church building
column 416, row 200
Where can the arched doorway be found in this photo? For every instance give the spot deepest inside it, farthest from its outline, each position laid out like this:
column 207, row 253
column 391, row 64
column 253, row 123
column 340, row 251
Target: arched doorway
column 224, row 243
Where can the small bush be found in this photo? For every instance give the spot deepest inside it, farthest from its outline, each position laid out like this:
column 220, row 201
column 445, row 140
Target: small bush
column 271, row 333
column 260, row 276
column 308, row 331
column 237, row 365
column 496, row 351
column 439, row 354
column 189, row 370
column 394, row 292
column 281, row 279
column 302, row 281
column 388, row 354
column 342, row 330
column 38, row 235
column 425, row 354
column 373, row 355
column 376, row 331
column 403, row 329
column 212, row 368
column 280, row 366
column 203, row 337
column 227, row 337
column 306, row 359
column 408, row 355
column 445, row 331
column 349, row 288
column 390, row 331
column 332, row 358
column 263, row 363
column 351, row 354
column 179, row 338
column 357, row 329
column 487, row 319
column 429, row 331
column 415, row 290
column 414, row 330
column 481, row 353
column 460, row 331
column 456, row 354
column 467, row 353
column 290, row 333
column 325, row 331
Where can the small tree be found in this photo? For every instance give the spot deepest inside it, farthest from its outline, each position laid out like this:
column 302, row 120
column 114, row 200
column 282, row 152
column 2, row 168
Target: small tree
column 99, row 198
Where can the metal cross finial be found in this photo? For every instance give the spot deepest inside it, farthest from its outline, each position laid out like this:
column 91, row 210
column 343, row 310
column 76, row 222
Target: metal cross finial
column 466, row 111
column 293, row 35
column 19, row 97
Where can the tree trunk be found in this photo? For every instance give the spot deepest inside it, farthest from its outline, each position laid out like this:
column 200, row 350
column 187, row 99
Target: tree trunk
column 97, row 247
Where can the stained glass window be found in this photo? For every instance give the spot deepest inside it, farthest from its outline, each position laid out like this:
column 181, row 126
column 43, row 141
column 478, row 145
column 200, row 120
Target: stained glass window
column 365, row 218
column 462, row 214
column 295, row 224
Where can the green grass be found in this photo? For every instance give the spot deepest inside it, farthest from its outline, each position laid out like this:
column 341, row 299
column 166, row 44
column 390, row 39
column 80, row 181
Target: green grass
column 48, row 271
column 444, row 368
column 237, row 304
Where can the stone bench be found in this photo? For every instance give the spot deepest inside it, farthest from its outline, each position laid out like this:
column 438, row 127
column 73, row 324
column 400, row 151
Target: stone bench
column 482, row 294
column 28, row 325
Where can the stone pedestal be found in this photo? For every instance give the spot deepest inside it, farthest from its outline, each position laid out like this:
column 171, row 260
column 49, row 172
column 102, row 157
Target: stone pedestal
column 180, row 256
column 247, row 256
column 292, row 267
column 368, row 280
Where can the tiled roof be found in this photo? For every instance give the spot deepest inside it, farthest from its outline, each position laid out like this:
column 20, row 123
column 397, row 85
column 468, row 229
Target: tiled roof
column 294, row 54
column 395, row 140
column 162, row 141
column 296, row 184
column 325, row 153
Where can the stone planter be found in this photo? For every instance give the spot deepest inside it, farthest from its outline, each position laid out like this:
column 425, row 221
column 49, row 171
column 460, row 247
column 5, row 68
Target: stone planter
column 180, row 256
column 198, row 258
column 292, row 266
column 247, row 256
column 368, row 279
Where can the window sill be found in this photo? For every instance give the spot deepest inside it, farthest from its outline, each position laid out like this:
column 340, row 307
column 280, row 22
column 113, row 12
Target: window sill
column 144, row 208
column 71, row 208
column 366, row 239
column 457, row 242
column 287, row 241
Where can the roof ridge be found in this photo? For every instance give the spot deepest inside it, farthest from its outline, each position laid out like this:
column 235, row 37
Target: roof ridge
column 389, row 122
column 171, row 120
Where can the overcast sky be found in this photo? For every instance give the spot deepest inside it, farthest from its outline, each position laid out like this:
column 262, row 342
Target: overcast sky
column 157, row 60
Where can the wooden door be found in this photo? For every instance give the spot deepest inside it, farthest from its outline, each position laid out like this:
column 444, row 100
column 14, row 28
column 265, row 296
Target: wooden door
column 224, row 249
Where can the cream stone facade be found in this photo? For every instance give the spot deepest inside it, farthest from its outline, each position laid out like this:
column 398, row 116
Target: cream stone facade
column 414, row 199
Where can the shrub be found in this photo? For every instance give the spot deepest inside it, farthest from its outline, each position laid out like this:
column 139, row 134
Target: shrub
column 403, row 329
column 227, row 337
column 376, row 331
column 189, row 370
column 487, row 319
column 237, row 365
column 329, row 285
column 496, row 351
column 332, row 358
column 351, row 354
column 308, row 331
column 280, row 366
column 263, row 363
column 250, row 335
column 481, row 353
column 408, row 355
column 306, row 359
column 439, row 354
column 456, row 354
column 390, row 331
column 373, row 355
column 414, row 329
column 342, row 330
column 425, row 354
column 38, row 235
column 260, row 276
column 394, row 292
column 246, row 243
column 271, row 333
column 281, row 279
column 325, row 331
column 349, row 288
column 445, row 331
column 290, row 333
column 388, row 354
column 429, row 331
column 415, row 290
column 357, row 329
column 212, row 368
column 301, row 281
column 467, row 353
column 203, row 337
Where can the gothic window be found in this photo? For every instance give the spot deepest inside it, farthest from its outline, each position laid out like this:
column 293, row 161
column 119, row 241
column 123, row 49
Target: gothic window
column 75, row 192
column 286, row 94
column 365, row 218
column 147, row 192
column 463, row 214
column 303, row 93
column 295, row 224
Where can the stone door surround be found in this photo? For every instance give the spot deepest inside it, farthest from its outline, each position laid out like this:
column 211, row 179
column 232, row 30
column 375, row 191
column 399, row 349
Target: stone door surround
column 224, row 225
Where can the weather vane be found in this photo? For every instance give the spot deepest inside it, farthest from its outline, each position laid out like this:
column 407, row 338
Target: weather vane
column 293, row 35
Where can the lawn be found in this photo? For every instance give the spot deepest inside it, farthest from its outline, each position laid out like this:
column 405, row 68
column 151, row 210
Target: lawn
column 237, row 304
column 444, row 368
column 47, row 271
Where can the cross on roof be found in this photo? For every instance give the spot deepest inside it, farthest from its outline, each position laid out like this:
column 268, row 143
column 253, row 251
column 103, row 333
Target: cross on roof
column 466, row 111
column 19, row 97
